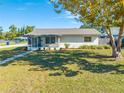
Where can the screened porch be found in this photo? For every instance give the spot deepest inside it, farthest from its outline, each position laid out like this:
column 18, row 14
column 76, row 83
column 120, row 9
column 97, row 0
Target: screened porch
column 43, row 41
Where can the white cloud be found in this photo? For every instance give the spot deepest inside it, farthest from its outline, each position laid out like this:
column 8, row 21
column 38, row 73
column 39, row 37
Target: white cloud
column 49, row 3
column 74, row 22
column 69, row 15
column 67, row 12
column 66, row 15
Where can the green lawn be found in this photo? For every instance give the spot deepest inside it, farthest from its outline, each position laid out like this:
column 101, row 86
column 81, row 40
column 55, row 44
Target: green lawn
column 13, row 43
column 81, row 71
column 10, row 52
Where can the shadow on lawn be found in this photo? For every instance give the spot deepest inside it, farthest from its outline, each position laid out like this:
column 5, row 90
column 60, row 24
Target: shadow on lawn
column 58, row 61
column 4, row 54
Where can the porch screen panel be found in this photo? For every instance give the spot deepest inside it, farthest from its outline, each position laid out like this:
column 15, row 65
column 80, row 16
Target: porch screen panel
column 50, row 40
column 29, row 41
column 39, row 42
column 47, row 40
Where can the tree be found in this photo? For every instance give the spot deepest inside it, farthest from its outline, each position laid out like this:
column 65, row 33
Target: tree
column 7, row 36
column 1, row 33
column 105, row 13
column 17, row 32
column 24, row 30
column 12, row 32
column 21, row 31
column 29, row 29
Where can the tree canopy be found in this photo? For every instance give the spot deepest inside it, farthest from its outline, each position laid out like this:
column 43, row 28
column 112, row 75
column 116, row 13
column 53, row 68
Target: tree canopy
column 1, row 33
column 94, row 12
column 106, row 13
column 15, row 32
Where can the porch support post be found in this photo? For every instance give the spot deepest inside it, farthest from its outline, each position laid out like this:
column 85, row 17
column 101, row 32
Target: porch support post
column 31, row 42
column 37, row 42
column 58, row 39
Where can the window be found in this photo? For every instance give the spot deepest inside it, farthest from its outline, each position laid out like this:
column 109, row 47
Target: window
column 87, row 39
column 50, row 40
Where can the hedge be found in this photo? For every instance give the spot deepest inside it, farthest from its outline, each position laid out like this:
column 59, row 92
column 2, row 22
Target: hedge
column 95, row 47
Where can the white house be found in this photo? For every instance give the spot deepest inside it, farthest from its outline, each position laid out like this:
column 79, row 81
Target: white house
column 58, row 38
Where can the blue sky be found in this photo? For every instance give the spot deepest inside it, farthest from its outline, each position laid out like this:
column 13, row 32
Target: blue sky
column 38, row 13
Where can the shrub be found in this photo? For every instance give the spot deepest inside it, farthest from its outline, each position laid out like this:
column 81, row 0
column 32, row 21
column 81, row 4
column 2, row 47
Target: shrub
column 95, row 47
column 107, row 47
column 100, row 47
column 84, row 47
column 67, row 45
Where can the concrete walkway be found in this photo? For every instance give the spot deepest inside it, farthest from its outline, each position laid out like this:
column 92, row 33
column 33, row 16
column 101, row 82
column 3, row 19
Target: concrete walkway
column 14, row 57
column 17, row 45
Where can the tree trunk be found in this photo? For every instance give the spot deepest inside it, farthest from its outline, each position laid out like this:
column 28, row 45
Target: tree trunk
column 116, row 49
column 112, row 40
column 114, row 52
column 119, row 41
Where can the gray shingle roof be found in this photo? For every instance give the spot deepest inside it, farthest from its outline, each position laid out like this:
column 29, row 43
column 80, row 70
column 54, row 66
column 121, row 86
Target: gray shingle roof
column 64, row 32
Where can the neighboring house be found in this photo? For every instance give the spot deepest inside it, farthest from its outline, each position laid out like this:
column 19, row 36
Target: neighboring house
column 20, row 39
column 57, row 38
column 104, row 39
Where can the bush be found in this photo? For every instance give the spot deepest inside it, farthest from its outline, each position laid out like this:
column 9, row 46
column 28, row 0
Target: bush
column 92, row 47
column 88, row 47
column 107, row 47
column 84, row 47
column 95, row 47
column 67, row 45
column 100, row 47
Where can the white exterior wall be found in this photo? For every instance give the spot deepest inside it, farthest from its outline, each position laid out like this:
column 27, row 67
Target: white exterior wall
column 75, row 41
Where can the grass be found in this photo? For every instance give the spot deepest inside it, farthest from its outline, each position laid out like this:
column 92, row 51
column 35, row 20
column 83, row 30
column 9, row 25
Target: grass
column 10, row 52
column 13, row 43
column 80, row 71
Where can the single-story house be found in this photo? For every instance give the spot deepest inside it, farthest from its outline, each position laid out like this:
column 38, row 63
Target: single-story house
column 58, row 38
